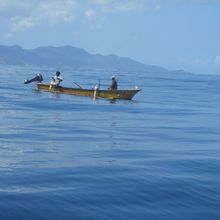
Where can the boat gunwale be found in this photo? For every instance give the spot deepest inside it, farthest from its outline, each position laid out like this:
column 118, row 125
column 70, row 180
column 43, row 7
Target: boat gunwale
column 108, row 94
column 82, row 89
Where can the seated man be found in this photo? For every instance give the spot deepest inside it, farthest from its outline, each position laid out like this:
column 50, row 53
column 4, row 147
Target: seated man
column 56, row 80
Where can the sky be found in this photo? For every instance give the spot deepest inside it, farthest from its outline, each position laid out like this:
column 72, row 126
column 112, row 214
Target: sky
column 175, row 34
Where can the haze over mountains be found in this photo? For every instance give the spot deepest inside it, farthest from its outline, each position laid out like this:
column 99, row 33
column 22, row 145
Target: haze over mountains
column 70, row 56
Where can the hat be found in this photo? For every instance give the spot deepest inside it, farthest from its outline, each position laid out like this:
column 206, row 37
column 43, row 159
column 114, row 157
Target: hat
column 113, row 77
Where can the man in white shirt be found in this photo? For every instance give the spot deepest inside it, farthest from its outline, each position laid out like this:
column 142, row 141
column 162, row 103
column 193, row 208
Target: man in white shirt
column 56, row 80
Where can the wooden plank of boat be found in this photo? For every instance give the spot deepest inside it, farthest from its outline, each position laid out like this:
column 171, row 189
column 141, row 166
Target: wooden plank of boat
column 109, row 94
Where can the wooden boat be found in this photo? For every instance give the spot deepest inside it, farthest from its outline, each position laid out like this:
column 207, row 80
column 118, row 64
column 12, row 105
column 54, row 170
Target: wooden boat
column 97, row 93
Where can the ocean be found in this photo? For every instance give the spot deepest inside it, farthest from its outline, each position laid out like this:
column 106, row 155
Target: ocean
column 66, row 157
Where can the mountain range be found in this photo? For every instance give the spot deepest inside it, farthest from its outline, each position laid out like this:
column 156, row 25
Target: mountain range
column 70, row 56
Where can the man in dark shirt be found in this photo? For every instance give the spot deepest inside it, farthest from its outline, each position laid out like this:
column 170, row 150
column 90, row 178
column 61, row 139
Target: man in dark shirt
column 114, row 85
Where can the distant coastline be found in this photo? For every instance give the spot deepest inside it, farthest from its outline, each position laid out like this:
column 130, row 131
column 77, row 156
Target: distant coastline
column 72, row 57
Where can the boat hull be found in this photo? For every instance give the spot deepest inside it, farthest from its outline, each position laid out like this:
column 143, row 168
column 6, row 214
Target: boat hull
column 109, row 94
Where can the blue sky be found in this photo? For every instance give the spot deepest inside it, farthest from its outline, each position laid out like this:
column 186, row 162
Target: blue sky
column 176, row 34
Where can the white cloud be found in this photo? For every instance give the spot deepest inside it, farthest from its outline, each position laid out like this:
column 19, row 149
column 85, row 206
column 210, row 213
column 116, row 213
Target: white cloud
column 200, row 61
column 123, row 5
column 96, row 27
column 102, row 2
column 26, row 14
column 23, row 23
column 8, row 35
column 10, row 8
column 6, row 4
column 197, row 61
column 94, row 21
column 157, row 7
column 90, row 14
column 56, row 11
column 217, row 60
column 130, row 6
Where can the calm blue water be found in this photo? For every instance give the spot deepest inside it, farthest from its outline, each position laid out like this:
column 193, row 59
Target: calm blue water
column 68, row 157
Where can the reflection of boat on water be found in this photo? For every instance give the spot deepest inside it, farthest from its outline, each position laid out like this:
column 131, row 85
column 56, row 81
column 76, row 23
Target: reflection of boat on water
column 98, row 93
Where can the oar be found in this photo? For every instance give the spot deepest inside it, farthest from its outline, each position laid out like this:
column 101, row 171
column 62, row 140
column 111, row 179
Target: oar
column 78, row 85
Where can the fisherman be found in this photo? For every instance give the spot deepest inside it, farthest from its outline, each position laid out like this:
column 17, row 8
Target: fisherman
column 114, row 85
column 56, row 80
